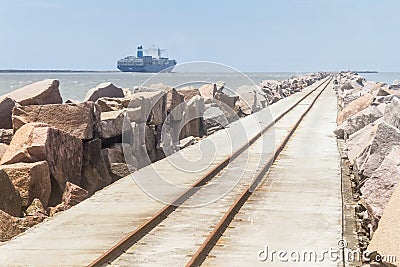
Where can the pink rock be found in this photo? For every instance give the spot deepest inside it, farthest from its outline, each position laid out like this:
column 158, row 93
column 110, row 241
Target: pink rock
column 32, row 180
column 39, row 93
column 74, row 194
column 36, row 142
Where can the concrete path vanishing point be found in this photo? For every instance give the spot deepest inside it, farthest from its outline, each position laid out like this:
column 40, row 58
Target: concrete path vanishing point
column 298, row 207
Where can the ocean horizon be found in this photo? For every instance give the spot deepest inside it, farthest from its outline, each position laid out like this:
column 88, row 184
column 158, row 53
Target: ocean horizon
column 74, row 85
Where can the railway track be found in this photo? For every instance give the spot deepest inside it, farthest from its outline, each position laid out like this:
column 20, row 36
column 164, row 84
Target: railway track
column 185, row 234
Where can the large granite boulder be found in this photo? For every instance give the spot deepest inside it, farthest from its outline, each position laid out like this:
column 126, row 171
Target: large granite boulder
column 377, row 189
column 80, row 120
column 386, row 239
column 10, row 200
column 175, row 105
column 94, row 168
column 357, row 122
column 73, row 194
column 146, row 145
column 250, row 99
column 152, row 106
column 112, row 123
column 384, row 137
column 32, row 180
column 354, row 107
column 112, row 104
column 6, row 106
column 392, row 113
column 39, row 93
column 189, row 93
column 103, row 90
column 36, row 142
column 11, row 226
column 209, row 90
column 194, row 117
column 214, row 119
column 357, row 142
column 120, row 170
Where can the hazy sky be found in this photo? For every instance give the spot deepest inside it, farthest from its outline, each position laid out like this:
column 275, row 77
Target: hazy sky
column 265, row 35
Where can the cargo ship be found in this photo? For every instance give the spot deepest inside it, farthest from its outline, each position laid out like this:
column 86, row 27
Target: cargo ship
column 148, row 63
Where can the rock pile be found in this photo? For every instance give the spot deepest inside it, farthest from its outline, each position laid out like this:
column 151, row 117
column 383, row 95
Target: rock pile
column 54, row 155
column 369, row 123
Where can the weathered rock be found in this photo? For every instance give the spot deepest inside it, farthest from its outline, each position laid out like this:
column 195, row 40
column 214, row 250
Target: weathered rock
column 112, row 123
column 32, row 180
column 103, row 90
column 175, row 105
column 152, row 106
column 194, row 117
column 209, row 90
column 6, row 106
column 115, row 153
column 250, row 99
column 230, row 101
column 12, row 226
column 40, row 93
column 36, row 142
column 3, row 148
column 354, row 107
column 357, row 121
column 58, row 208
column 36, row 208
column 395, row 85
column 79, row 120
column 386, row 239
column 6, row 136
column 392, row 113
column 384, row 138
column 112, row 104
column 74, row 194
column 377, row 189
column 189, row 93
column 10, row 200
column 145, row 144
column 120, row 170
column 349, row 85
column 357, row 142
column 214, row 119
column 94, row 169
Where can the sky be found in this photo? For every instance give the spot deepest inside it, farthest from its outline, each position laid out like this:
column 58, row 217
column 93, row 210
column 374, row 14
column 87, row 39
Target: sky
column 265, row 35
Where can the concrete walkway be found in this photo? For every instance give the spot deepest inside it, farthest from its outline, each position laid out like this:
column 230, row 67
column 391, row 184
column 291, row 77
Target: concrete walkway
column 298, row 208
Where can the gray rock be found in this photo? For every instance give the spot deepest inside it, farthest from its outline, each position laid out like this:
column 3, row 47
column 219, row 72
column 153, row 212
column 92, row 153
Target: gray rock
column 384, row 137
column 357, row 122
column 392, row 113
column 214, row 119
column 6, row 106
column 95, row 173
column 377, row 190
column 103, row 90
column 357, row 142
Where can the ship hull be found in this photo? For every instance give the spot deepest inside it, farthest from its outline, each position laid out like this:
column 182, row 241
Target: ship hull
column 147, row 69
